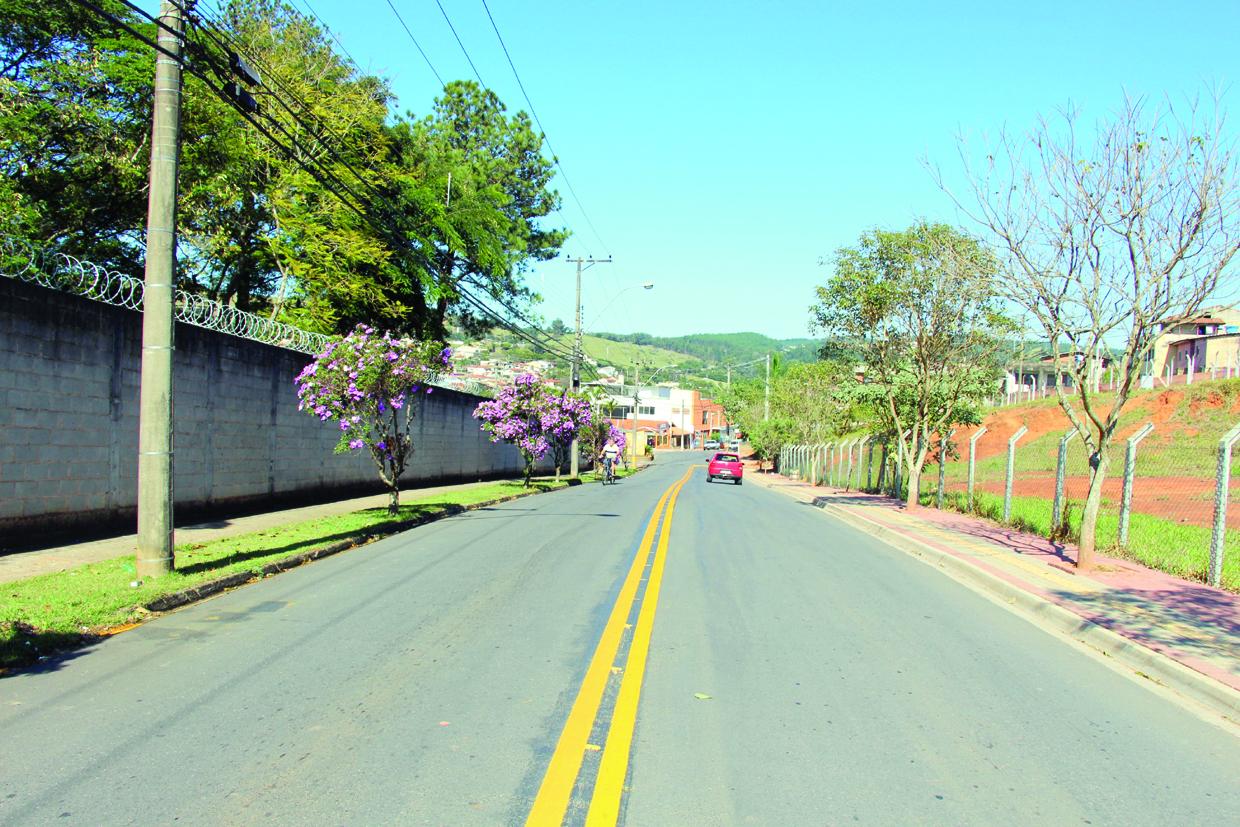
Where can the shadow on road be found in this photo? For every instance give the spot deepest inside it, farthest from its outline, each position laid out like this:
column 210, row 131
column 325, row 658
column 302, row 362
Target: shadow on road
column 1197, row 621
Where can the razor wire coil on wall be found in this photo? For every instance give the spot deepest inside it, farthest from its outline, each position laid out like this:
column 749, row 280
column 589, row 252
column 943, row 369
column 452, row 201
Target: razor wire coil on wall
column 68, row 274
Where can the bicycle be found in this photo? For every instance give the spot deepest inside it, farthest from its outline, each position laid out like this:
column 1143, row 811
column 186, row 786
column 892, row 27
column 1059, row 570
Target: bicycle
column 609, row 471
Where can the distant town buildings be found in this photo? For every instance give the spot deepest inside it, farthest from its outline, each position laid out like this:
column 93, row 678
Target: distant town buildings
column 1208, row 342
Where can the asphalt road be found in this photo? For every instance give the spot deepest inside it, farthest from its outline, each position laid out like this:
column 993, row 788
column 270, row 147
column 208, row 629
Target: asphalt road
column 799, row 673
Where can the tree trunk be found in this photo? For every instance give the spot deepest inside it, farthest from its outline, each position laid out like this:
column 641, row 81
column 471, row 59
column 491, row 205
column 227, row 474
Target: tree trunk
column 914, row 485
column 1098, row 464
column 394, row 501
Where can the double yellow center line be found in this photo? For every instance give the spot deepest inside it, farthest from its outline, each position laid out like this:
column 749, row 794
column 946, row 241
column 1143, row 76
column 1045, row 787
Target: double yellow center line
column 555, row 793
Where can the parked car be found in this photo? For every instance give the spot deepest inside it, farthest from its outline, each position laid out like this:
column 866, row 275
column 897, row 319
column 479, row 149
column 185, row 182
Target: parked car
column 733, row 445
column 725, row 465
column 710, row 445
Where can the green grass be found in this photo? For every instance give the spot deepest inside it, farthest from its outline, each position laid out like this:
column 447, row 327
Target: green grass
column 40, row 615
column 1181, row 550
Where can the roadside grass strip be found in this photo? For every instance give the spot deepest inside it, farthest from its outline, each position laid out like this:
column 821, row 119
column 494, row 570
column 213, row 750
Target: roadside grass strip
column 556, row 790
column 1179, row 549
column 54, row 612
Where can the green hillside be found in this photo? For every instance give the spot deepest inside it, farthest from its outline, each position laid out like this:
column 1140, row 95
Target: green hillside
column 720, row 349
column 701, row 360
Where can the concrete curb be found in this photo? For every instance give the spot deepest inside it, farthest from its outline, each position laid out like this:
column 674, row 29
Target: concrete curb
column 1201, row 689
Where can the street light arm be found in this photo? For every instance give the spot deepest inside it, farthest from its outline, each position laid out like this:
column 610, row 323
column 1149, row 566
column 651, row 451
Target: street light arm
column 645, row 286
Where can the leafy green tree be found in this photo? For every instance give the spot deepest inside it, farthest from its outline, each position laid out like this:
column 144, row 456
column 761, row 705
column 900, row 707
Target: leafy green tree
column 922, row 308
column 767, row 437
column 490, row 186
column 74, row 116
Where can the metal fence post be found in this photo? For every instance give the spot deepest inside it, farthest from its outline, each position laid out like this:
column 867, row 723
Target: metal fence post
column 943, row 467
column 846, row 479
column 837, row 453
column 1060, row 469
column 1130, row 467
column 861, row 448
column 972, row 462
column 882, row 469
column 869, row 466
column 822, row 457
column 1222, row 478
column 1011, row 464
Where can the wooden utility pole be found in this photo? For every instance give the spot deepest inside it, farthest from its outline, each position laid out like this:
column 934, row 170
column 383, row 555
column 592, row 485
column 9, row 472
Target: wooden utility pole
column 158, row 306
column 582, row 264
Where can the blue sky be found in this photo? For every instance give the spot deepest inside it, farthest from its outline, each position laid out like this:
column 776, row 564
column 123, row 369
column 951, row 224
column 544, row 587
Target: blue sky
column 721, row 149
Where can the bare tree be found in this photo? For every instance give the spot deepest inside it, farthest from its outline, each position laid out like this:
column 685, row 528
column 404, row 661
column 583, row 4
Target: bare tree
column 1110, row 234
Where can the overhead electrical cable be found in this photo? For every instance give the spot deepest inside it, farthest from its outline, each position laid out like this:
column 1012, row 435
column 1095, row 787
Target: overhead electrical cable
column 416, row 45
column 325, row 176
column 459, row 43
column 554, row 156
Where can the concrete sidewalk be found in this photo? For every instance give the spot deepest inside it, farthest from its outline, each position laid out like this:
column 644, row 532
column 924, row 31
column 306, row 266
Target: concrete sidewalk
column 53, row 559
column 1186, row 634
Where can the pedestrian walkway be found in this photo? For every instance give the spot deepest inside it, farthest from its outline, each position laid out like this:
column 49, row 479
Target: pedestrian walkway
column 46, row 561
column 1190, row 623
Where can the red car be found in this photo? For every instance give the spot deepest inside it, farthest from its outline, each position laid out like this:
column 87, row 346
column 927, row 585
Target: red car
column 725, row 466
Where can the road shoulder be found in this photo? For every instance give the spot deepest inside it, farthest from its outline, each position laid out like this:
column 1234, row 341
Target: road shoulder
column 1182, row 636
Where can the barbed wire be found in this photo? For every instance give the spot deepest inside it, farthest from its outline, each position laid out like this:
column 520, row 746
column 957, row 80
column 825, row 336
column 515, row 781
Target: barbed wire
column 69, row 274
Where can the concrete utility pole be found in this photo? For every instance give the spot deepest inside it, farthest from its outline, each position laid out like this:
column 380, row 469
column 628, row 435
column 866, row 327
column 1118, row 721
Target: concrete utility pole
column 766, row 400
column 637, row 389
column 582, row 264
column 158, row 305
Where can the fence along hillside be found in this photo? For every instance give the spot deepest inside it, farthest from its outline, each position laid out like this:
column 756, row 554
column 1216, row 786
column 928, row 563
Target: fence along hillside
column 1173, row 492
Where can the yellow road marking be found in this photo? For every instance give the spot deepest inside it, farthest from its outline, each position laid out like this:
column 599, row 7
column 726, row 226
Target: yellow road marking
column 609, row 785
column 551, row 802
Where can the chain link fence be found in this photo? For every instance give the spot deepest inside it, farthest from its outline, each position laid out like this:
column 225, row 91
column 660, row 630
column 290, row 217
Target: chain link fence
column 1169, row 499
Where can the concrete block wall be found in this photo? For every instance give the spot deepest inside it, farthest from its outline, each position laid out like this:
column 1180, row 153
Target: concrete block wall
column 69, row 374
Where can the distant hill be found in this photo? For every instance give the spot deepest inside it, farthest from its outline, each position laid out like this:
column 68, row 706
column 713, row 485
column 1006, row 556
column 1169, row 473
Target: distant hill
column 721, row 349
column 700, row 361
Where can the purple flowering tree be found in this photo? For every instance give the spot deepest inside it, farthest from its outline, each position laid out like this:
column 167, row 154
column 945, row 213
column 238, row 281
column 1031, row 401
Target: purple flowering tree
column 596, row 437
column 515, row 417
column 365, row 384
column 563, row 417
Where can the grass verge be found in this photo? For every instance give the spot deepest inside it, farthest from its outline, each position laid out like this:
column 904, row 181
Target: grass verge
column 53, row 612
column 1181, row 550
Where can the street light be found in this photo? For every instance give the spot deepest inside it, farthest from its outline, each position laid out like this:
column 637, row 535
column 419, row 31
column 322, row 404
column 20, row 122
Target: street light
column 649, row 285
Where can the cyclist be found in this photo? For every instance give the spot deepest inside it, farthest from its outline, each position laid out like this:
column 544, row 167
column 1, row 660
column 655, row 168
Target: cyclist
column 610, row 452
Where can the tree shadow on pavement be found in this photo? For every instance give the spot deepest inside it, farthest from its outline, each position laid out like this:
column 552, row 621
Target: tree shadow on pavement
column 410, row 516
column 1196, row 620
column 29, row 650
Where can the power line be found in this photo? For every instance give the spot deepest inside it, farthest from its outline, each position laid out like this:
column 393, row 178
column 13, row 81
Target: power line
column 459, row 43
column 327, row 29
column 554, row 156
column 325, row 176
column 417, row 45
